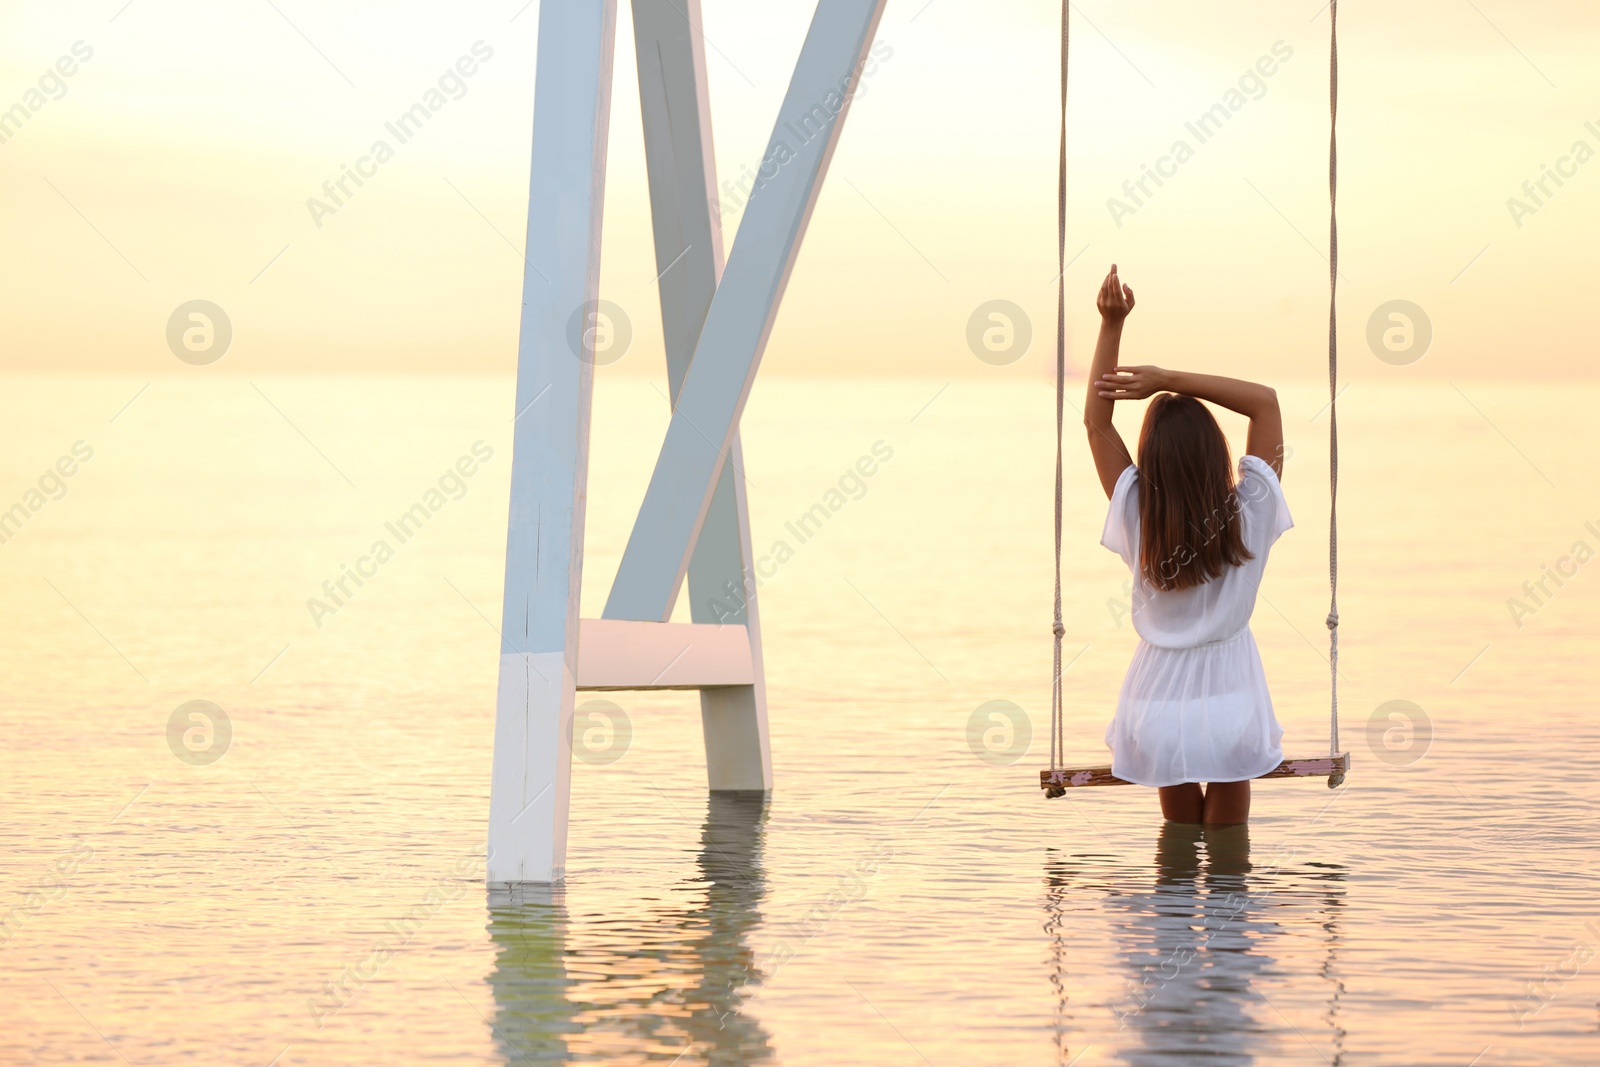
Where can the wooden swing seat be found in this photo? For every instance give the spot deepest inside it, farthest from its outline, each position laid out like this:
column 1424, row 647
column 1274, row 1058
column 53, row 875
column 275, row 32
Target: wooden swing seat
column 1332, row 767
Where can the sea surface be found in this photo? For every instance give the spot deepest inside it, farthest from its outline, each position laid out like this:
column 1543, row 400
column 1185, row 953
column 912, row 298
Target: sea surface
column 300, row 882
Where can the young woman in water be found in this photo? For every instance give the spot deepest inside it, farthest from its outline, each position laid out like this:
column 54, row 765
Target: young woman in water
column 1194, row 707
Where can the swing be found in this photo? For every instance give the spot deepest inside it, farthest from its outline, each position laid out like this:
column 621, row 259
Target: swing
column 1059, row 778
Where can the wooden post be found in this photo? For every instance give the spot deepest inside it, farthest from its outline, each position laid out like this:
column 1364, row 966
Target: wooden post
column 688, row 241
column 550, row 444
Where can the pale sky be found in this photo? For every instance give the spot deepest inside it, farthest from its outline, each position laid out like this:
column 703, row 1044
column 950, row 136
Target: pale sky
column 176, row 162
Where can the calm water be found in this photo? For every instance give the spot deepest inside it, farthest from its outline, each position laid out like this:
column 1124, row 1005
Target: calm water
column 904, row 896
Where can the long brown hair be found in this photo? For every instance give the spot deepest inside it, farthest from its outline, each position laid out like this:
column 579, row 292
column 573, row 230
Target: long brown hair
column 1189, row 523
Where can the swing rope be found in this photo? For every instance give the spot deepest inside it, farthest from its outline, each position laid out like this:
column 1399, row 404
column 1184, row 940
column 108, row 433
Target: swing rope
column 1058, row 758
column 1333, row 388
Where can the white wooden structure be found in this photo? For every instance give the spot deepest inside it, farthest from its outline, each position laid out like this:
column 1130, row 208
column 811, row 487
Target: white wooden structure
column 693, row 521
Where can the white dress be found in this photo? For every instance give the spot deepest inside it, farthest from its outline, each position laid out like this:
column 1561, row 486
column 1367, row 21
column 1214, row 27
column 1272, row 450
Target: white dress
column 1194, row 706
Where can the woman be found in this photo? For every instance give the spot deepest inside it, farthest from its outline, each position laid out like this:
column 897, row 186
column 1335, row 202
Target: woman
column 1194, row 707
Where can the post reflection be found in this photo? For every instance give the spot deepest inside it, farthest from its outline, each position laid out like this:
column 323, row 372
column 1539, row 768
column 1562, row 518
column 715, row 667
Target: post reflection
column 666, row 979
column 1195, row 937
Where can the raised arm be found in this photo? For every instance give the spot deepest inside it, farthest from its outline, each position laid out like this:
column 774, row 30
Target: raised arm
column 1256, row 402
column 1105, row 443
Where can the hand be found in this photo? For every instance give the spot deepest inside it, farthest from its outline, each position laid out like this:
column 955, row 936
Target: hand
column 1134, row 383
column 1116, row 299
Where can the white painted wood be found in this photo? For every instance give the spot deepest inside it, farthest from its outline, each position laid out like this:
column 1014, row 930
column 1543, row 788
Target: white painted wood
column 532, row 773
column 740, row 318
column 550, row 445
column 623, row 654
column 734, row 721
column 674, row 103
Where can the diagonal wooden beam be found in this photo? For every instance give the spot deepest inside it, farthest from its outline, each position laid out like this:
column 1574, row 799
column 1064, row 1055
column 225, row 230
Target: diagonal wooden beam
column 728, row 352
column 687, row 223
column 674, row 107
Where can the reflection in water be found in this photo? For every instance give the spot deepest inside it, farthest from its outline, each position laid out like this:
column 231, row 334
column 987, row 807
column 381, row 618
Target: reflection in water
column 1195, row 945
column 532, row 1014
column 666, row 979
